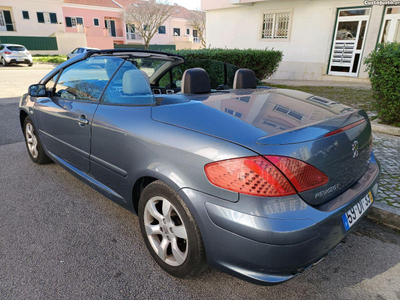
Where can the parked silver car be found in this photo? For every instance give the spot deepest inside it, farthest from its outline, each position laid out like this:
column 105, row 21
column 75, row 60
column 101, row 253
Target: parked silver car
column 15, row 54
column 80, row 50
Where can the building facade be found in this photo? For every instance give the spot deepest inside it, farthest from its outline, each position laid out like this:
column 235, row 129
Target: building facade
column 59, row 26
column 320, row 40
column 102, row 21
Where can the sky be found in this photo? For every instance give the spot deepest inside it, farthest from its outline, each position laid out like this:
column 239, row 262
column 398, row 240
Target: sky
column 189, row 4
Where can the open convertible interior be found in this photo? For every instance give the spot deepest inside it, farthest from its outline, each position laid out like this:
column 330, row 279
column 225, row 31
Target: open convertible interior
column 167, row 74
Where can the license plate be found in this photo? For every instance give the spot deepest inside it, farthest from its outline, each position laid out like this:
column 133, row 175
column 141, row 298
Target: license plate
column 355, row 213
column 20, row 59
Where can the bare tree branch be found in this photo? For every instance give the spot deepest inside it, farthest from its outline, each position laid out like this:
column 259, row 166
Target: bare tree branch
column 147, row 17
column 197, row 20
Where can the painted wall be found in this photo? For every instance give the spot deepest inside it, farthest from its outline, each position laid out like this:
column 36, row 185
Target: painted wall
column 181, row 42
column 97, row 36
column 306, row 53
column 31, row 27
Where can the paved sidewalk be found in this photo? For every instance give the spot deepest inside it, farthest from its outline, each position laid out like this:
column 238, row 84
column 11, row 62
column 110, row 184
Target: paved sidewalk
column 387, row 149
column 330, row 83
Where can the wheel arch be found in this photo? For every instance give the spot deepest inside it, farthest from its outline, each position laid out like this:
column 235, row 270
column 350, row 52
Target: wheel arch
column 22, row 116
column 145, row 179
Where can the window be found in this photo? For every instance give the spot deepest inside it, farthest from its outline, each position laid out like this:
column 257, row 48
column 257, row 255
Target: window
column 289, row 112
column 187, row 31
column 96, row 22
column 276, row 25
column 25, row 14
column 6, row 20
column 73, row 21
column 45, row 17
column 129, row 86
column 16, row 48
column 86, row 79
column 146, row 27
column 161, row 30
column 234, row 113
column 177, row 32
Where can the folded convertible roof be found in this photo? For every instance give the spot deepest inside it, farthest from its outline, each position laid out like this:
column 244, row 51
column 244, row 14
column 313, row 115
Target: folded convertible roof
column 128, row 51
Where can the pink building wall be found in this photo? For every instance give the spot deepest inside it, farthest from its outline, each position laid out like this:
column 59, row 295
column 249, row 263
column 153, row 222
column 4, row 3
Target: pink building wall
column 97, row 36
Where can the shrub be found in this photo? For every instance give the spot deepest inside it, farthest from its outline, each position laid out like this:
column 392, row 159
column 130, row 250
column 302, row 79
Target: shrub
column 263, row 62
column 383, row 66
column 55, row 59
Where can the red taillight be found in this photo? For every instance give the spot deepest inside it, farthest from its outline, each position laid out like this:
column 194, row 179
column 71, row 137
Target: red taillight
column 352, row 125
column 249, row 175
column 302, row 175
column 28, row 53
column 7, row 52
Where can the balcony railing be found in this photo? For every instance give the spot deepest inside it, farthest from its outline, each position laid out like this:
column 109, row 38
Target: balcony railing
column 196, row 39
column 132, row 36
column 8, row 27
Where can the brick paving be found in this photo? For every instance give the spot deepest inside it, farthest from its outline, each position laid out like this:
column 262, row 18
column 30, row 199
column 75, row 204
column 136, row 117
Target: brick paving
column 387, row 150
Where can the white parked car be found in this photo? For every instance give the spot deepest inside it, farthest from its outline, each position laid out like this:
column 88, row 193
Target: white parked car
column 80, row 50
column 15, row 54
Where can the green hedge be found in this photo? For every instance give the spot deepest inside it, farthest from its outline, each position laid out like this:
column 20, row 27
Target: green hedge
column 263, row 62
column 383, row 65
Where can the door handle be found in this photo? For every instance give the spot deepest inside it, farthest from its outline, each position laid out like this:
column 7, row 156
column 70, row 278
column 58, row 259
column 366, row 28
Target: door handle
column 82, row 121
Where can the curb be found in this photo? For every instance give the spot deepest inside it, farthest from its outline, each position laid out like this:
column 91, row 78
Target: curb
column 385, row 214
column 385, row 129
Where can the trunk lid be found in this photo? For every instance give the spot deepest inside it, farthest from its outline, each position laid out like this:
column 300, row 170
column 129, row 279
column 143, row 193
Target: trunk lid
column 286, row 123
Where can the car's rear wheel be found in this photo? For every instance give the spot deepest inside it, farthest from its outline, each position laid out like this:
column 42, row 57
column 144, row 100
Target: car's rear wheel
column 170, row 231
column 33, row 144
column 3, row 61
column 30, row 64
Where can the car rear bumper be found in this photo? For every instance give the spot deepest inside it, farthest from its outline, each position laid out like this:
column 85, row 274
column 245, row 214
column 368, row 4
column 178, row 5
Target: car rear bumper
column 18, row 60
column 270, row 240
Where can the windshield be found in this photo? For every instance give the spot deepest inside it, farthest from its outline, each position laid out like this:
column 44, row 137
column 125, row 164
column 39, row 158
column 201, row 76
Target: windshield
column 16, row 48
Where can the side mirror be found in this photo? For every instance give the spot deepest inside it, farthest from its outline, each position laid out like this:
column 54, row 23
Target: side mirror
column 37, row 90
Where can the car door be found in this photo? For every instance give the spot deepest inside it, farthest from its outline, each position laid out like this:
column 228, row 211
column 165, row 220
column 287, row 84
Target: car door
column 65, row 118
column 123, row 113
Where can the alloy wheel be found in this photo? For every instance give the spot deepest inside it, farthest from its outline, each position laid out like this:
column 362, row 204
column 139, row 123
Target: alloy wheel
column 31, row 140
column 166, row 231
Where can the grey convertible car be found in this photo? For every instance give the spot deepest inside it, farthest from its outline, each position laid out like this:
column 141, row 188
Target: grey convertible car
column 260, row 183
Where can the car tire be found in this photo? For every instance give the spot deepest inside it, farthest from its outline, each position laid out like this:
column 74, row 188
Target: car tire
column 33, row 144
column 3, row 62
column 30, row 65
column 183, row 258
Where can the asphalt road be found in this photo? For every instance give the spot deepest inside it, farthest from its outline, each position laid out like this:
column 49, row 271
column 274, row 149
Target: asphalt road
column 61, row 239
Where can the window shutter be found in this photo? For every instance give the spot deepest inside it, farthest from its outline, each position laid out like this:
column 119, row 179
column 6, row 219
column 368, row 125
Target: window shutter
column 105, row 22
column 40, row 17
column 79, row 21
column 7, row 18
column 68, row 21
column 25, row 15
column 53, row 18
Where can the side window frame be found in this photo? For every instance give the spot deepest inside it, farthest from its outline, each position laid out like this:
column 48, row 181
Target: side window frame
column 98, row 101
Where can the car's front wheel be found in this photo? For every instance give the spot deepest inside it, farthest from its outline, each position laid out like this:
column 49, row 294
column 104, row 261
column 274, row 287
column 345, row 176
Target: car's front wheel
column 33, row 144
column 170, row 231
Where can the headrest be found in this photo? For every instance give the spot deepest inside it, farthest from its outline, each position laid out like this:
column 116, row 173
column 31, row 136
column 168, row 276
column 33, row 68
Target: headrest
column 195, row 81
column 145, row 76
column 245, row 79
column 134, row 82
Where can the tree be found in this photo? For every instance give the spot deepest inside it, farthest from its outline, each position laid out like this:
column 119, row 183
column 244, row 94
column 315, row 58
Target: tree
column 148, row 16
column 197, row 20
